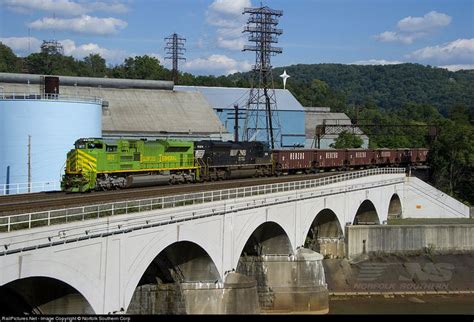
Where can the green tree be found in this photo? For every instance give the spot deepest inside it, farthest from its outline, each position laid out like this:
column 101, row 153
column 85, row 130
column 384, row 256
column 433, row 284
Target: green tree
column 143, row 67
column 9, row 62
column 39, row 63
column 53, row 64
column 460, row 114
column 347, row 140
column 95, row 66
column 452, row 160
column 320, row 91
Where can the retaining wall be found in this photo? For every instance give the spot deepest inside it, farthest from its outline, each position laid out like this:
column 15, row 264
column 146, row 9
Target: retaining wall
column 394, row 239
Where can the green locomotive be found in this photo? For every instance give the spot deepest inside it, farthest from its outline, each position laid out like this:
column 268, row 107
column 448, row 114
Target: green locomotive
column 101, row 164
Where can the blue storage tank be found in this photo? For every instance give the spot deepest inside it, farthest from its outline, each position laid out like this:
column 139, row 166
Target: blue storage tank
column 54, row 123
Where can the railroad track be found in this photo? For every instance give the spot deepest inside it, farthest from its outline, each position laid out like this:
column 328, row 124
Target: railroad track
column 25, row 203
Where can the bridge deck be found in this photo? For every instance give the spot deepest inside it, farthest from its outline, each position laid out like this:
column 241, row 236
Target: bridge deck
column 127, row 217
column 68, row 215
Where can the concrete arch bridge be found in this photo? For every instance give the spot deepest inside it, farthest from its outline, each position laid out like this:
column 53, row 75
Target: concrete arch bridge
column 242, row 250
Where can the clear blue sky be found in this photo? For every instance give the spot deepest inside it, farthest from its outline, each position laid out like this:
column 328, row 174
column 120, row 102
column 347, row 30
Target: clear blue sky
column 435, row 32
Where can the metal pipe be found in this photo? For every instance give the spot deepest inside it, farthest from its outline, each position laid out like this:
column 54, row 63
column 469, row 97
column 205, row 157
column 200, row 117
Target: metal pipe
column 89, row 81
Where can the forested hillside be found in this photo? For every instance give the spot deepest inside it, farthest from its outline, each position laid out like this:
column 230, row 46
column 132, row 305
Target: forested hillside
column 388, row 86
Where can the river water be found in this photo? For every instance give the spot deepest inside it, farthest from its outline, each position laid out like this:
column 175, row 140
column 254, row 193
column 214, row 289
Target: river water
column 432, row 304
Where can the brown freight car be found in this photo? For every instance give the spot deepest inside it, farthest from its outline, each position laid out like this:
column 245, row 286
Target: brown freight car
column 359, row 157
column 385, row 156
column 418, row 156
column 291, row 161
column 329, row 159
column 314, row 160
column 403, row 157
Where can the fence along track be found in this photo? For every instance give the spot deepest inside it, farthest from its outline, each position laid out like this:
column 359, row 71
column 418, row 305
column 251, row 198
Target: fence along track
column 20, row 204
column 61, row 216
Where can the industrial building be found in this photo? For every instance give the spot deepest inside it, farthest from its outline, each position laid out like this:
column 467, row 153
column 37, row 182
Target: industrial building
column 290, row 112
column 331, row 124
column 297, row 123
column 75, row 107
column 53, row 119
column 133, row 108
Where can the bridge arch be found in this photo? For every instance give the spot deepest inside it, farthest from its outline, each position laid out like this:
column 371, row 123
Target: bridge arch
column 184, row 261
column 366, row 214
column 148, row 254
column 325, row 235
column 180, row 262
column 66, row 273
column 325, row 224
column 42, row 295
column 257, row 227
column 268, row 238
column 395, row 207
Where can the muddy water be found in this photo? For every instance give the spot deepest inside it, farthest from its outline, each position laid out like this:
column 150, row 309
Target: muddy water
column 453, row 304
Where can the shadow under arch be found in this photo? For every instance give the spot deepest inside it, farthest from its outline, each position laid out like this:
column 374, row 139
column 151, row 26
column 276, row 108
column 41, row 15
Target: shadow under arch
column 268, row 239
column 263, row 259
column 394, row 207
column 180, row 262
column 325, row 235
column 42, row 295
column 366, row 214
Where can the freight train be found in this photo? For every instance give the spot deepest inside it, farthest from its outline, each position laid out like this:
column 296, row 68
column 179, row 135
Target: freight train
column 103, row 164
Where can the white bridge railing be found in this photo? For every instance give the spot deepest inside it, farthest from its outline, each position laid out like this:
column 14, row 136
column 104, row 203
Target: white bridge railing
column 62, row 216
column 22, row 188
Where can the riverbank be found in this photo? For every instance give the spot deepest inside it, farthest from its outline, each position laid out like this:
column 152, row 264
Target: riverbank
column 402, row 304
column 425, row 283
column 427, row 273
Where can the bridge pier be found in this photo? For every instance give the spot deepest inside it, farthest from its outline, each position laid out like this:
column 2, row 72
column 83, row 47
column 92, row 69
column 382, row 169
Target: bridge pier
column 288, row 283
column 330, row 247
column 237, row 295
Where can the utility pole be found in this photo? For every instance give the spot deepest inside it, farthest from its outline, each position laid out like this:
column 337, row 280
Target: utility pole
column 235, row 116
column 7, row 185
column 262, row 32
column 236, row 123
column 175, row 50
column 29, row 163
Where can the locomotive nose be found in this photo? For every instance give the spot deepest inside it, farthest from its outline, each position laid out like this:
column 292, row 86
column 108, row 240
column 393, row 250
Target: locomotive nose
column 71, row 162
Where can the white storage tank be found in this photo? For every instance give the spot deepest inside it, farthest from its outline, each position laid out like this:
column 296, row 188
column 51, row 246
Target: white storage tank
column 53, row 123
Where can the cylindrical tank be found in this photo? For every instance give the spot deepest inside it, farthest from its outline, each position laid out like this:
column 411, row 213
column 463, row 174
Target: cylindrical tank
column 53, row 126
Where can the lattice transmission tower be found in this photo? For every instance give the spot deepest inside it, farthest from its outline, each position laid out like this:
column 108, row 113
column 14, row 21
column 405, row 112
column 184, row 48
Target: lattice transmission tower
column 175, row 51
column 52, row 47
column 262, row 113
